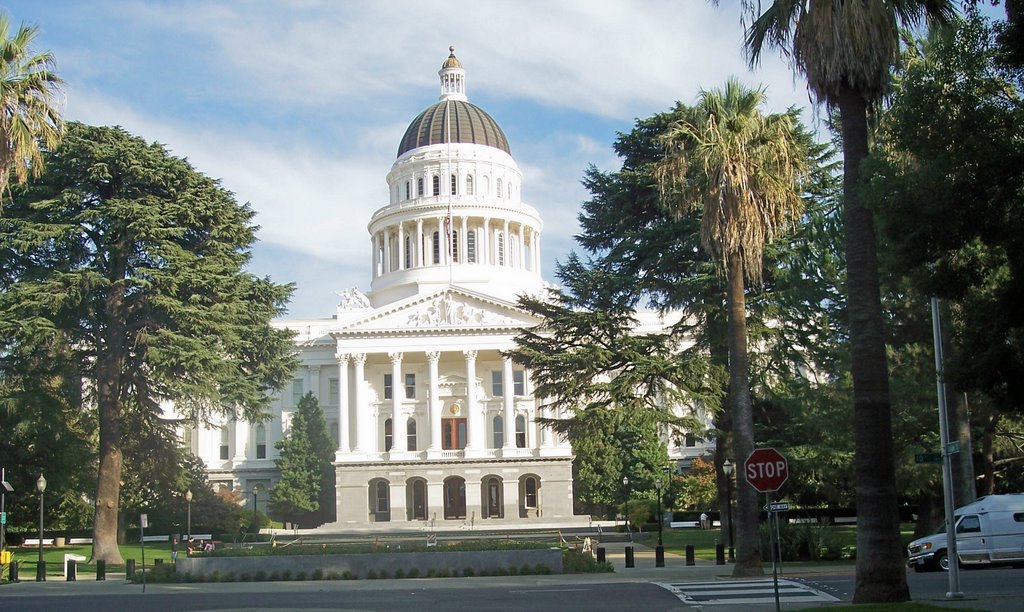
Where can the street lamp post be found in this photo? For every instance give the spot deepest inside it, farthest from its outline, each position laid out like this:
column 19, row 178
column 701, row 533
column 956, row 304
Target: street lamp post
column 188, row 501
column 659, row 551
column 41, row 565
column 625, row 507
column 727, row 470
column 5, row 488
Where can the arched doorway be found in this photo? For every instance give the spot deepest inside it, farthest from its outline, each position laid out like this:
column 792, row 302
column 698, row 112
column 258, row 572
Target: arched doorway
column 380, row 500
column 493, row 502
column 416, row 499
column 454, row 498
column 529, row 496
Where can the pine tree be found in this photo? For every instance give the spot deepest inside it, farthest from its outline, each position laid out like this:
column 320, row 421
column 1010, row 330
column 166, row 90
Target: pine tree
column 305, row 492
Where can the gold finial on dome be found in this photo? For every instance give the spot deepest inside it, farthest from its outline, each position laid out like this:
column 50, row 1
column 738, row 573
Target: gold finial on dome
column 452, row 61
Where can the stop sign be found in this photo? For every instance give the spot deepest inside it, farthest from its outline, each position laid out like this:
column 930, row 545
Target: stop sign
column 766, row 469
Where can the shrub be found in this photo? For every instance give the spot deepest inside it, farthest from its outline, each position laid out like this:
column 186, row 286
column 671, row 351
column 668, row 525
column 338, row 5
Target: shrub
column 468, row 572
column 246, row 577
column 576, row 562
column 300, row 576
column 399, row 573
column 541, row 569
column 414, row 572
column 286, row 575
column 525, row 569
column 260, row 576
column 334, row 576
column 215, row 576
column 348, row 575
column 371, row 575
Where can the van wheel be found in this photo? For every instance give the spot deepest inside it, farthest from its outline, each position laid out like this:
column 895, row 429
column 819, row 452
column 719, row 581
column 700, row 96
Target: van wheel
column 942, row 561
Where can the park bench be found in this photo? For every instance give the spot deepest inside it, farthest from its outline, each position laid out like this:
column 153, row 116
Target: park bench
column 35, row 542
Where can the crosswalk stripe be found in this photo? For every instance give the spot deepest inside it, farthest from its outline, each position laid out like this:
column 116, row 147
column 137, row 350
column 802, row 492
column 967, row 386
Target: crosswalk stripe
column 744, row 591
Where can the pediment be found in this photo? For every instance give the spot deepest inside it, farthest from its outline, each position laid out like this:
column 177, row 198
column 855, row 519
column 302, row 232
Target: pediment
column 446, row 310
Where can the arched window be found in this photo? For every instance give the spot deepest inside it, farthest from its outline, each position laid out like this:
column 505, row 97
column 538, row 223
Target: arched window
column 388, row 436
column 455, row 246
column 500, row 190
column 437, row 248
column 471, row 246
column 501, row 248
column 530, row 492
column 224, row 442
column 469, row 184
column 520, row 431
column 498, row 427
column 382, row 503
column 436, row 185
column 410, row 434
column 261, row 441
column 408, row 252
column 408, row 190
column 419, row 187
column 455, row 185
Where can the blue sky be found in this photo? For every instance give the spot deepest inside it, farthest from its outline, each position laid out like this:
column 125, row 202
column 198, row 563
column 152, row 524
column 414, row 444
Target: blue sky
column 298, row 106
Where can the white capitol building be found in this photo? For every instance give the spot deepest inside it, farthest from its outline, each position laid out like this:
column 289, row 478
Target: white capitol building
column 432, row 424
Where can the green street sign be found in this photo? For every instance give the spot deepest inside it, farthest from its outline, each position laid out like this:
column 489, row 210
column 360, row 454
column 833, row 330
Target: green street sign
column 3, row 518
column 952, row 448
column 928, row 458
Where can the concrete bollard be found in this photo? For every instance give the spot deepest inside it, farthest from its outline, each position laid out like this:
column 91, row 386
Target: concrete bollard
column 659, row 556
column 600, row 554
column 719, row 554
column 629, row 557
column 690, row 555
column 129, row 568
column 12, row 572
column 101, row 570
column 72, row 571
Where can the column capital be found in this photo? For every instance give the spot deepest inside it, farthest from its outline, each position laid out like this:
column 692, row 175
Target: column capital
column 342, row 358
column 470, row 355
column 314, row 369
column 359, row 358
column 434, row 356
column 395, row 358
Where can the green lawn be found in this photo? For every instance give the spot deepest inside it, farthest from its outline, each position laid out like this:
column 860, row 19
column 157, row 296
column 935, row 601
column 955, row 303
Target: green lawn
column 27, row 558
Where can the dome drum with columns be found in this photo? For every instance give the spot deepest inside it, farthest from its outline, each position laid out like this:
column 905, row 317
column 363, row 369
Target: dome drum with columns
column 434, row 426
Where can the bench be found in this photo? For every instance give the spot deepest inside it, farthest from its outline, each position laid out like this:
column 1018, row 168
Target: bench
column 71, row 557
column 199, row 536
column 74, row 541
column 35, row 542
column 163, row 538
column 844, row 519
column 684, row 524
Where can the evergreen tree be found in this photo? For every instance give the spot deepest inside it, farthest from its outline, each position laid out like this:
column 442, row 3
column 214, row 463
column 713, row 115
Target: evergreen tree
column 132, row 261
column 305, row 492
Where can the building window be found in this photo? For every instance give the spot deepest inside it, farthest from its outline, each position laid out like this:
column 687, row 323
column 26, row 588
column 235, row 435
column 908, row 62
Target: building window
column 453, row 434
column 419, row 187
column 498, row 428
column 224, row 442
column 497, row 386
column 408, row 252
column 501, row 248
column 261, row 441
column 332, row 391
column 388, row 385
column 186, row 437
column 410, row 386
column 297, row 391
column 519, row 383
column 436, row 248
column 436, row 185
column 408, row 190
column 455, row 185
column 455, row 246
column 469, row 184
column 410, row 434
column 381, row 502
column 499, row 190
column 471, row 246
column 388, row 436
column 520, row 431
column 690, row 440
column 530, row 496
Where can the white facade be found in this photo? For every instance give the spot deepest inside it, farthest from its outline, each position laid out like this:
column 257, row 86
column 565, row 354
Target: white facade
column 432, row 424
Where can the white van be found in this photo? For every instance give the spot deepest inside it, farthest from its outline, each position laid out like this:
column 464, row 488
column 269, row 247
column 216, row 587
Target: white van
column 988, row 531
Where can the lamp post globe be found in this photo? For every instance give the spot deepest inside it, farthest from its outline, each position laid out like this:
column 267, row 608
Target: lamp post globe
column 188, row 502
column 41, row 565
column 727, row 469
column 625, row 507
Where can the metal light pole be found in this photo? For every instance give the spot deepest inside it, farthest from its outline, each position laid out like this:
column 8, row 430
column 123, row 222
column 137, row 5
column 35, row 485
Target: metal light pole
column 727, row 470
column 625, row 510
column 659, row 550
column 5, row 488
column 188, row 501
column 41, row 565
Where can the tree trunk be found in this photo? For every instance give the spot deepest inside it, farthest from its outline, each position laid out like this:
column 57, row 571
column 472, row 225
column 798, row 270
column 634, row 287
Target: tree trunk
column 929, row 514
column 988, row 462
column 746, row 516
column 108, row 486
column 881, row 576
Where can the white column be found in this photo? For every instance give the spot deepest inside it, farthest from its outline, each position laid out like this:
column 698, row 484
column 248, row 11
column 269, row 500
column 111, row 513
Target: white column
column 473, row 427
column 522, row 248
column 314, row 381
column 442, row 242
column 398, row 442
column 419, row 244
column 401, row 247
column 509, row 414
column 387, row 251
column 464, row 240
column 535, row 251
column 358, row 416
column 434, row 402
column 343, row 404
column 241, row 439
column 373, row 255
column 486, row 250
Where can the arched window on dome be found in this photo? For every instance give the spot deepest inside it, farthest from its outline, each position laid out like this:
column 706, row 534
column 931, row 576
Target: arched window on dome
column 469, row 184
column 520, row 431
column 471, row 246
column 408, row 190
column 500, row 190
column 408, row 252
column 419, row 187
column 436, row 247
column 497, row 432
column 388, row 437
column 436, row 185
column 501, row 248
column 455, row 185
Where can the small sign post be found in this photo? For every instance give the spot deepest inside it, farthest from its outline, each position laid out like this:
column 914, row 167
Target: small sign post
column 766, row 469
column 143, row 523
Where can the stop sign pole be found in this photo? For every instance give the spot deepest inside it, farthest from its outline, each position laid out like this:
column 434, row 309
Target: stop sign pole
column 766, row 469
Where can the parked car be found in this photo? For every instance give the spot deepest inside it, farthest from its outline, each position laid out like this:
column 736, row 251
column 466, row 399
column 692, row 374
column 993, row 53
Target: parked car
column 989, row 531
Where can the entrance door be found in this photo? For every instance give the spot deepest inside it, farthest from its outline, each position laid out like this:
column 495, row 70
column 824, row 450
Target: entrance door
column 455, row 498
column 493, row 498
column 419, row 500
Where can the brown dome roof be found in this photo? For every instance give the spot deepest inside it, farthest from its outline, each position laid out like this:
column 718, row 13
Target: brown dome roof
column 468, row 124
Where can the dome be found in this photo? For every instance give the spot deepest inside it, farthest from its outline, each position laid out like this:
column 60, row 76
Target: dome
column 455, row 121
column 452, row 61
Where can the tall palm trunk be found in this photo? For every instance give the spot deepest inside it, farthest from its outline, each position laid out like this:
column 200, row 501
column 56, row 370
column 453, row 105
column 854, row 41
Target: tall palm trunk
column 881, row 576
column 748, row 535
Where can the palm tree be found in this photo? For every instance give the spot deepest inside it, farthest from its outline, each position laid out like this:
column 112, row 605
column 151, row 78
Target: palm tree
column 846, row 51
column 742, row 169
column 29, row 91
